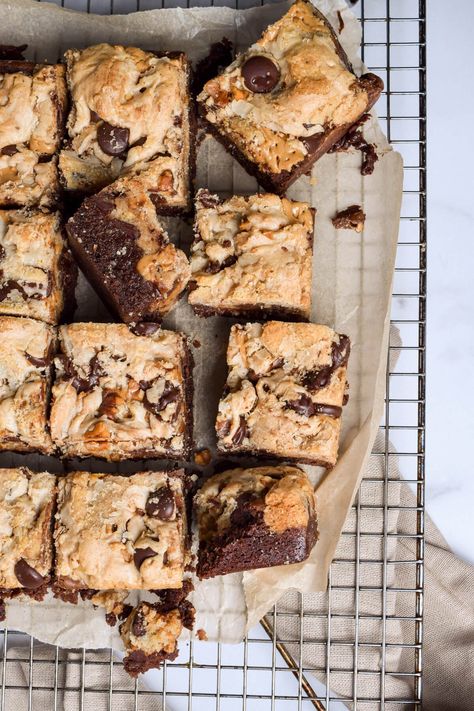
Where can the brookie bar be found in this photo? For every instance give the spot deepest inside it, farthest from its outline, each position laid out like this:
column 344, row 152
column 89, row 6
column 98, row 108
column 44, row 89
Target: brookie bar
column 120, row 532
column 26, row 349
column 122, row 395
column 252, row 257
column 285, row 391
column 32, row 109
column 131, row 112
column 37, row 272
column 254, row 518
column 282, row 104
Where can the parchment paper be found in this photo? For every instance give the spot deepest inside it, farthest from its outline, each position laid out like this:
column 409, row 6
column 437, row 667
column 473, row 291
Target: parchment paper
column 351, row 291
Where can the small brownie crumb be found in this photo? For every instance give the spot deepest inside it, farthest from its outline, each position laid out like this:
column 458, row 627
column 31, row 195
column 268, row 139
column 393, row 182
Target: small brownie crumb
column 355, row 139
column 201, row 635
column 254, row 518
column 352, row 218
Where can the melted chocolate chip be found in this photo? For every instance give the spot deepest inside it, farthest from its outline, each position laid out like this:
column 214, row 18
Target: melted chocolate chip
column 171, row 393
column 241, row 432
column 161, row 504
column 306, row 407
column 317, row 379
column 27, row 576
column 141, row 554
column 261, row 74
column 145, row 328
column 83, row 385
column 113, row 139
column 38, row 362
column 341, row 351
column 139, row 625
column 9, row 150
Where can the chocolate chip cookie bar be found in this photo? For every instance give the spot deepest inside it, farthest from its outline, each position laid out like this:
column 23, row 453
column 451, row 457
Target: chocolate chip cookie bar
column 124, row 250
column 33, row 103
column 150, row 632
column 122, row 395
column 26, row 537
column 254, row 518
column 120, row 532
column 282, row 104
column 131, row 112
column 37, row 272
column 252, row 257
column 285, row 391
column 26, row 349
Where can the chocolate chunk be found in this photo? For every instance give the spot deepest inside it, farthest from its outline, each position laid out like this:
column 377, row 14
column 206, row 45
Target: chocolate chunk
column 9, row 150
column 317, row 379
column 138, row 625
column 92, row 380
column 241, row 432
column 303, row 406
column 27, row 576
column 141, row 554
column 145, row 328
column 261, row 74
column 352, row 218
column 341, row 351
column 161, row 504
column 113, row 139
column 11, row 51
column 38, row 362
column 171, row 393
column 354, row 139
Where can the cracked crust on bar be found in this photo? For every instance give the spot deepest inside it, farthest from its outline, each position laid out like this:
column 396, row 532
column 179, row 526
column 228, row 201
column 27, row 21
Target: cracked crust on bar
column 284, row 392
column 120, row 394
column 254, row 518
column 252, row 257
column 131, row 112
column 279, row 133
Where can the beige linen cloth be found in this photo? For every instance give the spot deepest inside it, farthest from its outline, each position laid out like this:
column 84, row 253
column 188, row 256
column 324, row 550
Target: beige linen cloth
column 448, row 654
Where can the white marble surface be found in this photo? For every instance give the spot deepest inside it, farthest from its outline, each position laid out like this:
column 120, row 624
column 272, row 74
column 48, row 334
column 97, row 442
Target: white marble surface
column 450, row 379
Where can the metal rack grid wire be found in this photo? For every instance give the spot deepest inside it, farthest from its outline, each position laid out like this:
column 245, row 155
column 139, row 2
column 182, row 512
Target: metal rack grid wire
column 324, row 651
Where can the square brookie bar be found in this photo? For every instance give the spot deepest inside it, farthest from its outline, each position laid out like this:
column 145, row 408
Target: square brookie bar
column 120, row 532
column 254, row 518
column 32, row 107
column 26, row 350
column 285, row 391
column 252, row 257
column 282, row 104
column 131, row 111
column 124, row 250
column 26, row 535
column 37, row 272
column 122, row 395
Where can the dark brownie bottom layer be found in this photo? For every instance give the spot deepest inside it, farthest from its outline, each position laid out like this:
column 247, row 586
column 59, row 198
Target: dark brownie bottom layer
column 272, row 457
column 261, row 313
column 249, row 544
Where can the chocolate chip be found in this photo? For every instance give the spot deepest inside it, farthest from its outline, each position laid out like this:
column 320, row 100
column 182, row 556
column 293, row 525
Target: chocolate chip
column 161, row 504
column 260, row 74
column 307, row 408
column 9, row 150
column 341, row 351
column 112, row 139
column 145, row 328
column 329, row 410
column 141, row 554
column 37, row 362
column 138, row 625
column 27, row 576
column 317, row 379
column 241, row 432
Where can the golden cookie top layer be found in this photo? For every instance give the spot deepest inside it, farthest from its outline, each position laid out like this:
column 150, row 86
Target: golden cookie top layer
column 117, row 393
column 286, row 495
column 31, row 107
column 120, row 532
column 285, row 390
column 309, row 88
column 31, row 246
column 129, row 107
column 151, row 631
column 26, row 509
column 252, row 251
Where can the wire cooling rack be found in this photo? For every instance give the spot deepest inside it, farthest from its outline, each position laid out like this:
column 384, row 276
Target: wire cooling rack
column 357, row 645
